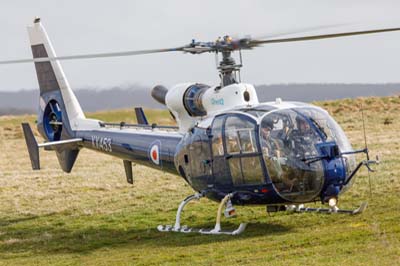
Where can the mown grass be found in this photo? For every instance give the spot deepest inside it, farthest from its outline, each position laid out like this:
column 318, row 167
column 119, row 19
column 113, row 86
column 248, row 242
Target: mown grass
column 93, row 217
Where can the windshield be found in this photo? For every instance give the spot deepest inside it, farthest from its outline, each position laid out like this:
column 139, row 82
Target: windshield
column 289, row 138
column 331, row 131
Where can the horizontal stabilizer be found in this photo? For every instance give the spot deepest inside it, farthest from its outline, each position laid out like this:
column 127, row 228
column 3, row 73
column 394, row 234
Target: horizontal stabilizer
column 59, row 142
column 33, row 146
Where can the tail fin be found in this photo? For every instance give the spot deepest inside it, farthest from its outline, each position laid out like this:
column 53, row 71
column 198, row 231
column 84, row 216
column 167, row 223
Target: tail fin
column 51, row 77
column 59, row 110
column 32, row 146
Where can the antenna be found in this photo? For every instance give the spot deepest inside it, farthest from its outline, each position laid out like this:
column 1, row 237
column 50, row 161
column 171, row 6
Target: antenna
column 366, row 148
column 365, row 135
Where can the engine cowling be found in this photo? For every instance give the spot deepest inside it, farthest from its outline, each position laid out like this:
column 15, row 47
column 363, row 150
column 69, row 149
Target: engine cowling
column 190, row 102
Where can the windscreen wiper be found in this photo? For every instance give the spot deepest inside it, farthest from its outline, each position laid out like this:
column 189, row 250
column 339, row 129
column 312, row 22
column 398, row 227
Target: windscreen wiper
column 311, row 160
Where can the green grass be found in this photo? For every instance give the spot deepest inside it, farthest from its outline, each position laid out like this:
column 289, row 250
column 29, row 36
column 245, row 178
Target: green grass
column 93, row 217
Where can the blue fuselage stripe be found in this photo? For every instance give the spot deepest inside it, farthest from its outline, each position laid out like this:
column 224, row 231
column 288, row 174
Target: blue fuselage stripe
column 134, row 146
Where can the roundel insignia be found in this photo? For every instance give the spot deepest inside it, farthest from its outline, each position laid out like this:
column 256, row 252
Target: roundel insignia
column 154, row 152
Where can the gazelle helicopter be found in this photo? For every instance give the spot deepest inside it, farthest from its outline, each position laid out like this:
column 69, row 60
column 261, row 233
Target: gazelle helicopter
column 227, row 146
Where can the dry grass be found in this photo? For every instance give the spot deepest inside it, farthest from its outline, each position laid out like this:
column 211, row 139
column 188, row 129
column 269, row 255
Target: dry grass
column 92, row 216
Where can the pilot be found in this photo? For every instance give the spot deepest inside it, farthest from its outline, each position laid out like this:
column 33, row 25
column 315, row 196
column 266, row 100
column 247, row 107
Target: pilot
column 270, row 151
column 266, row 142
column 301, row 138
column 303, row 126
column 266, row 128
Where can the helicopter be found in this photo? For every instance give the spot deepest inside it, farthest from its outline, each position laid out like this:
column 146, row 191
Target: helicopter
column 227, row 146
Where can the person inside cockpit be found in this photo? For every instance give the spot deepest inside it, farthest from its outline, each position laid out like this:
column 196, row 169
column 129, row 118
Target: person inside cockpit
column 303, row 126
column 301, row 142
column 266, row 142
column 271, row 151
column 301, row 138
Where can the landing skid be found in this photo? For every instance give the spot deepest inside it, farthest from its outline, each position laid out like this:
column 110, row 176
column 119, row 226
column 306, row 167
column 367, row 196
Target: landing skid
column 215, row 231
column 334, row 209
column 185, row 229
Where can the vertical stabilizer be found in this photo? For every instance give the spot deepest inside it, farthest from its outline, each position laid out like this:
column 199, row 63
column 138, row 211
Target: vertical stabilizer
column 50, row 74
column 59, row 111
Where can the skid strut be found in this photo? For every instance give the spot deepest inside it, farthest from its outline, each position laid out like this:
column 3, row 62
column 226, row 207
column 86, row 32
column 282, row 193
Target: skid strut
column 177, row 227
column 215, row 231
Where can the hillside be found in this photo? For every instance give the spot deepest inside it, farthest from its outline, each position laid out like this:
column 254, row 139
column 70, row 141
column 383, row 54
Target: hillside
column 127, row 96
column 93, row 217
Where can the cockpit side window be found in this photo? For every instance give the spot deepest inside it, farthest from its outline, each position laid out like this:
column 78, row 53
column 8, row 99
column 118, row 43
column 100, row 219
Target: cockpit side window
column 219, row 168
column 239, row 136
column 216, row 143
column 241, row 145
column 232, row 142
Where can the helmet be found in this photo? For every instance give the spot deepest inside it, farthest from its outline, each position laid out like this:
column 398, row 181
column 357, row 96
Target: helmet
column 302, row 123
column 267, row 123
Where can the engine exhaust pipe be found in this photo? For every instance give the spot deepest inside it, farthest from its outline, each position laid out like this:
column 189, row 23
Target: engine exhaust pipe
column 159, row 93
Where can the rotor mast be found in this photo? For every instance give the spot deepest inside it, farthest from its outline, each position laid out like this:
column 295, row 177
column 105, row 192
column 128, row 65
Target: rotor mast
column 229, row 71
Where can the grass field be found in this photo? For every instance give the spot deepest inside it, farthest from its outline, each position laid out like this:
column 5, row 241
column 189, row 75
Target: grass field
column 94, row 217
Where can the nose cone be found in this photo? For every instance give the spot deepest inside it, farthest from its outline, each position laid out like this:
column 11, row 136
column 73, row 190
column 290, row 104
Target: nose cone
column 335, row 177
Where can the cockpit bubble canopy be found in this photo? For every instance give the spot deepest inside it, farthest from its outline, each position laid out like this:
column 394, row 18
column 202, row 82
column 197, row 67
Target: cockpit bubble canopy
column 288, row 137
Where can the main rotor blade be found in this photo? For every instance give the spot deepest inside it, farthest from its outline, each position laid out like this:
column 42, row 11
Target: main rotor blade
column 88, row 56
column 298, row 31
column 323, row 36
column 202, row 47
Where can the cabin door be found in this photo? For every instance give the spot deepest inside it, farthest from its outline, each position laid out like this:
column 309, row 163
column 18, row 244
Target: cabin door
column 242, row 154
column 220, row 171
column 200, row 156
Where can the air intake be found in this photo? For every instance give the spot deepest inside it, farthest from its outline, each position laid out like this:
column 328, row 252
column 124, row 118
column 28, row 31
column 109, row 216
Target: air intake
column 192, row 100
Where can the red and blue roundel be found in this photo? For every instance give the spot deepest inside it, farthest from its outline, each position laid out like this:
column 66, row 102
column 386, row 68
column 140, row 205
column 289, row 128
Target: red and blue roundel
column 154, row 152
